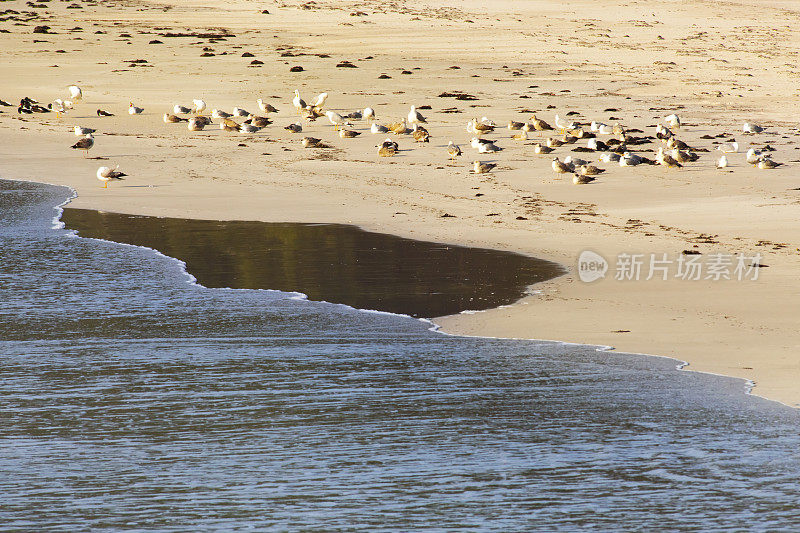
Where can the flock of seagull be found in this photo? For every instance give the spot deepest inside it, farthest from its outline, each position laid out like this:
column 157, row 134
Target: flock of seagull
column 616, row 148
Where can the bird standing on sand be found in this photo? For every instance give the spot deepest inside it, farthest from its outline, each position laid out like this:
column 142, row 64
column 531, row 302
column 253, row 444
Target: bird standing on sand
column 369, row 114
column 673, row 121
column 298, row 103
column 753, row 156
column 335, row 118
column 420, row 134
column 482, row 168
column 106, row 174
column 320, row 100
column 133, row 110
column 199, row 106
column 75, row 92
column 722, row 162
column 453, row 150
column 561, row 167
column 666, row 160
column 84, row 144
column 415, row 117
column 539, row 124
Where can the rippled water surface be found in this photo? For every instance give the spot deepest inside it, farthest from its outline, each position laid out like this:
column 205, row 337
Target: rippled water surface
column 131, row 399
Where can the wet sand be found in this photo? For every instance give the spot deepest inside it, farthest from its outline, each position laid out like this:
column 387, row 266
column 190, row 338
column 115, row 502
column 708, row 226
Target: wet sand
column 625, row 61
column 328, row 262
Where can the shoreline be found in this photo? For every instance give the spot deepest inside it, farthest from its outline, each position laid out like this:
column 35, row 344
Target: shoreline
column 192, row 280
column 743, row 330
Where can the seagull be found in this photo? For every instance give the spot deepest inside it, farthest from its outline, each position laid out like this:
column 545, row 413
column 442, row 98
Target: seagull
column 355, row 115
column 313, row 142
column 106, row 174
column 482, row 168
column 609, row 157
column 575, row 161
column 320, row 101
column 521, row 136
column 218, row 113
column 398, row 127
column 554, row 143
column 80, row 132
column 248, row 128
column 666, row 159
column 348, row 134
column 541, row 149
column 298, row 102
column 75, row 92
column 560, row 167
column 512, row 125
column 420, row 134
column 753, row 156
column 582, row 179
column 377, row 128
column 335, row 118
column 170, row 118
column 722, row 162
column 181, row 110
column 259, row 122
column 84, row 144
column 767, row 163
column 369, row 114
column 673, row 121
column 539, row 124
column 590, row 170
column 629, row 160
column 729, row 148
column 294, row 128
column 487, row 148
column 196, row 124
column 265, row 107
column 199, row 106
column 453, row 150
column 388, row 148
column 473, row 126
column 58, row 106
column 682, row 156
column 101, row 113
column 239, row 112
column 133, row 110
column 415, row 117
column 563, row 126
column 752, row 128
column 227, row 124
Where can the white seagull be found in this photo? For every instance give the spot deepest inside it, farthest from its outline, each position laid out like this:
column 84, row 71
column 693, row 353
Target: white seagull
column 106, row 174
column 199, row 106
column 75, row 92
column 414, row 117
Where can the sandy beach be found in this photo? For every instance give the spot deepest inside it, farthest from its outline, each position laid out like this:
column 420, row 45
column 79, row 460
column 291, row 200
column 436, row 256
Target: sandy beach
column 627, row 62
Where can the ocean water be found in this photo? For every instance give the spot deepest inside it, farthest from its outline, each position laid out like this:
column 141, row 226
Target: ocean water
column 132, row 399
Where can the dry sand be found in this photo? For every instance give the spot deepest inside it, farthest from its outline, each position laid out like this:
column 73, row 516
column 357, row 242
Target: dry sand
column 711, row 62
